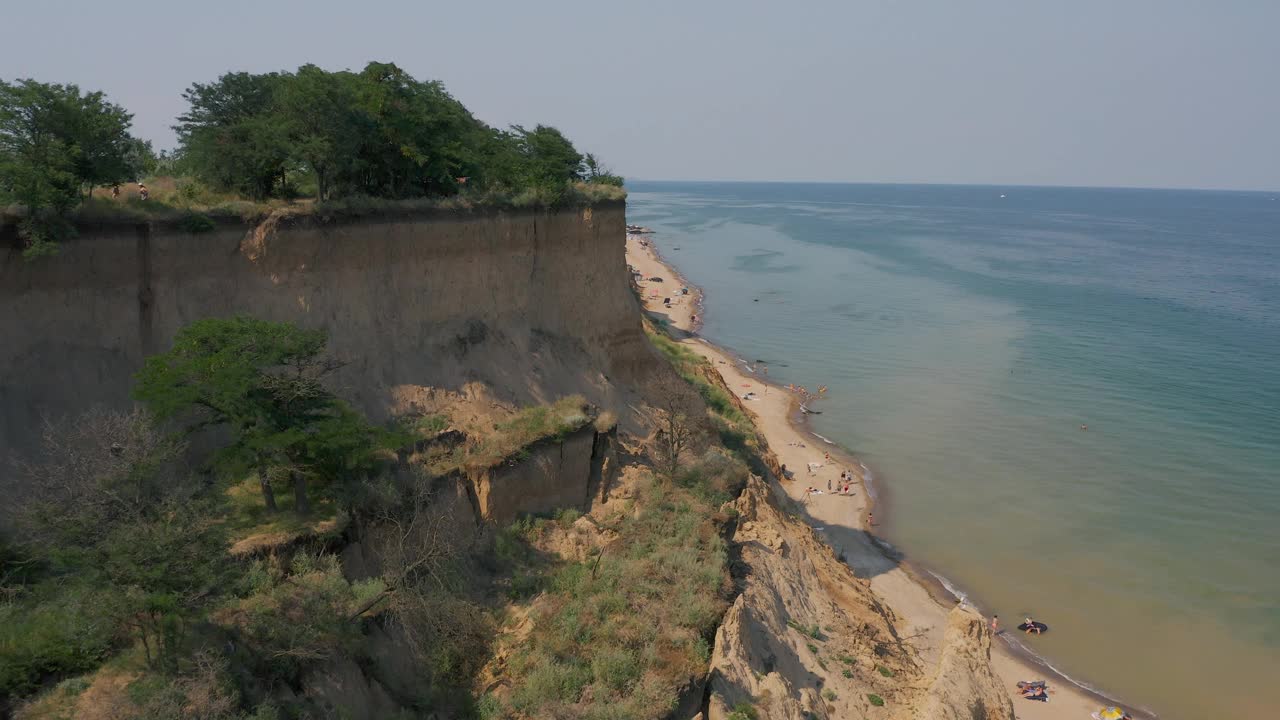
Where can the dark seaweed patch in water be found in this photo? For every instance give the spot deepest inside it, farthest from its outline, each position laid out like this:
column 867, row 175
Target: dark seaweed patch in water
column 848, row 311
column 762, row 261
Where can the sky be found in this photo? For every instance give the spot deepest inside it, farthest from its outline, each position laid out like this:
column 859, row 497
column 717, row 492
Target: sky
column 1147, row 93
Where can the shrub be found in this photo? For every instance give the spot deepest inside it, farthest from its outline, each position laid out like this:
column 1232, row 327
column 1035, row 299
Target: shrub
column 875, row 700
column 812, row 630
column 70, row 633
column 884, row 671
column 744, row 711
column 301, row 619
column 847, row 673
column 829, row 694
column 630, row 632
column 196, row 223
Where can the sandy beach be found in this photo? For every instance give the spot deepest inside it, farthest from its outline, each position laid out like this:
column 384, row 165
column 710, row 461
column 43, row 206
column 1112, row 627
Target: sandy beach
column 842, row 519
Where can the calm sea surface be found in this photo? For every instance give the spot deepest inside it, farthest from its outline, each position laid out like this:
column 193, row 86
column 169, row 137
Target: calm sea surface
column 966, row 333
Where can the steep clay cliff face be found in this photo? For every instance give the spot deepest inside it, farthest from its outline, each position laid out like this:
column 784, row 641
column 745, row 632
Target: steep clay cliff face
column 801, row 620
column 963, row 685
column 553, row 475
column 533, row 305
column 808, row 639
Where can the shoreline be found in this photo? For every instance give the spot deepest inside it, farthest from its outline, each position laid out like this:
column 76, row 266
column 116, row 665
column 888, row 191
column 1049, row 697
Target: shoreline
column 919, row 595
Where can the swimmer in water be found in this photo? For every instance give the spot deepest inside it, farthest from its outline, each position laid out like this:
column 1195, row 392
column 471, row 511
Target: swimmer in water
column 1031, row 626
column 1084, row 427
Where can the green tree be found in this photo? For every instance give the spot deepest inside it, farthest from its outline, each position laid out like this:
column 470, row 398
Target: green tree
column 264, row 383
column 233, row 136
column 167, row 566
column 599, row 173
column 56, row 143
column 325, row 124
column 549, row 159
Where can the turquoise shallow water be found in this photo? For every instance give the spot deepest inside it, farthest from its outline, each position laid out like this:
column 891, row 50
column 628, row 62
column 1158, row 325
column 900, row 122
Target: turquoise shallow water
column 966, row 336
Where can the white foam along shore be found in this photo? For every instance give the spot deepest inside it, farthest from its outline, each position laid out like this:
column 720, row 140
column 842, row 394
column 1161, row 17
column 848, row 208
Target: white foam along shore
column 920, row 597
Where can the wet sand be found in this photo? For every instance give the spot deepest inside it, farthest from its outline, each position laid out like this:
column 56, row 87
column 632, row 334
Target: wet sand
column 842, row 520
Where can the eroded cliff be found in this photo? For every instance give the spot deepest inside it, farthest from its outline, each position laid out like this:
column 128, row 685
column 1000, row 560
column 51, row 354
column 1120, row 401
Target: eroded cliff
column 532, row 305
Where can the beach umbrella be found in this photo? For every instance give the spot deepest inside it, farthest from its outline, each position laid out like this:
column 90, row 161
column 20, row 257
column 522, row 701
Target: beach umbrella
column 1111, row 713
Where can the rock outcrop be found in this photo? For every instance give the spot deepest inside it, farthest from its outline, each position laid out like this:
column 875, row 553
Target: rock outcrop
column 805, row 637
column 963, row 686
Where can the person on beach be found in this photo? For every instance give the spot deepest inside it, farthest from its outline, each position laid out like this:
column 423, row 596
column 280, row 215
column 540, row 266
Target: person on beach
column 828, row 484
column 995, row 624
column 1035, row 692
column 871, row 520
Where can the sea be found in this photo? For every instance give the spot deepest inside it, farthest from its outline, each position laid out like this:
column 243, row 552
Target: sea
column 1070, row 396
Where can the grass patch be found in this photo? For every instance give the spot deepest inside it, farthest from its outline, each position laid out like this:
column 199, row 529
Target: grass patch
column 250, row 526
column 57, row 630
column 875, row 699
column 811, row 630
column 176, row 199
column 884, row 671
column 829, row 694
column 736, row 431
column 621, row 638
column 430, row 424
column 510, row 439
column 845, row 659
column 812, row 648
column 744, row 711
column 847, row 673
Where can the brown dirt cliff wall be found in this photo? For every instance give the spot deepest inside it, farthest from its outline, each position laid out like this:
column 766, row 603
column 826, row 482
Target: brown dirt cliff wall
column 532, row 304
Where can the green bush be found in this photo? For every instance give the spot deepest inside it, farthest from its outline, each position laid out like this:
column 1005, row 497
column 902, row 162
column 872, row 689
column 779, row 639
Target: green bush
column 67, row 633
column 744, row 711
column 884, row 671
column 196, row 223
column 875, row 700
column 567, row 516
column 301, row 619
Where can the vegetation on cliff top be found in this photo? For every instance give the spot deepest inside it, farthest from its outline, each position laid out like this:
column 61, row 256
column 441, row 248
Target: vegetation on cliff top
column 353, row 142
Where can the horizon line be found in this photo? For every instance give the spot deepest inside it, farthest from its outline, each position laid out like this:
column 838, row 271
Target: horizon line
column 1167, row 188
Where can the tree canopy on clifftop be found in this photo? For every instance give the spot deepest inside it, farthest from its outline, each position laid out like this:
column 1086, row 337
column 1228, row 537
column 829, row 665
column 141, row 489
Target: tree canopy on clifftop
column 378, row 132
column 313, row 133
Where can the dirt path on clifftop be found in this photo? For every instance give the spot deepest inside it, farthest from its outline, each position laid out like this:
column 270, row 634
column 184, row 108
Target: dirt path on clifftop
column 841, row 520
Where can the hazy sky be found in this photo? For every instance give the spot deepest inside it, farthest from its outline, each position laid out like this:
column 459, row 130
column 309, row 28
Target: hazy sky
column 1180, row 93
